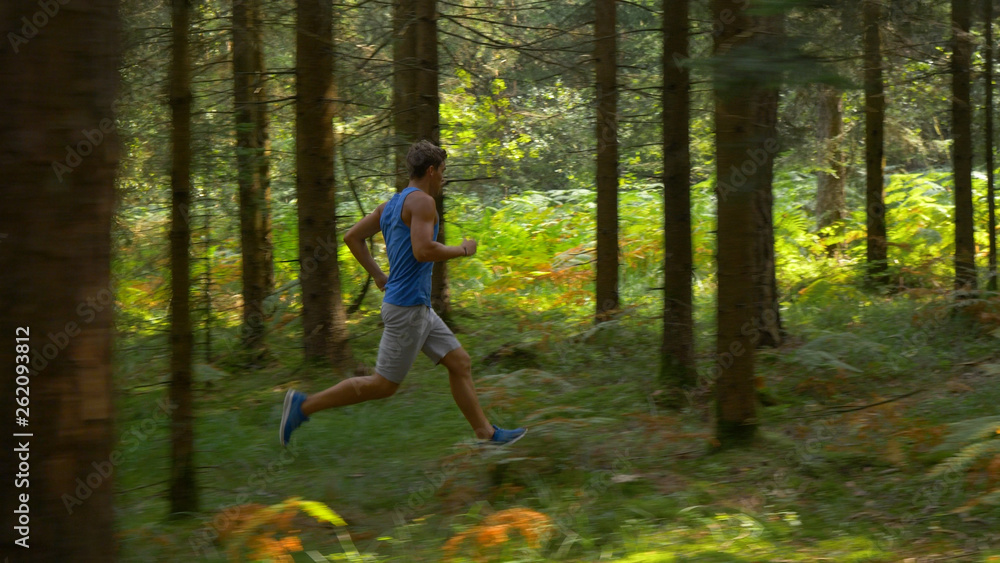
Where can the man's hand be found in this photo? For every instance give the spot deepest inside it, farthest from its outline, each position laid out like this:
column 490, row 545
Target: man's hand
column 470, row 246
column 355, row 237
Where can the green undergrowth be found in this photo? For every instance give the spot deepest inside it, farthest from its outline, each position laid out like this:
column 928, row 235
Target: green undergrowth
column 613, row 476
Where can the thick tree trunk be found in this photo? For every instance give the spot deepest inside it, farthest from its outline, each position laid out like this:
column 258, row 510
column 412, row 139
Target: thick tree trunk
column 736, row 139
column 252, row 148
column 769, row 39
column 874, row 123
column 605, row 56
column 323, row 315
column 831, row 203
column 428, row 126
column 768, row 315
column 990, row 194
column 59, row 154
column 404, row 84
column 961, row 110
column 677, row 347
column 183, row 491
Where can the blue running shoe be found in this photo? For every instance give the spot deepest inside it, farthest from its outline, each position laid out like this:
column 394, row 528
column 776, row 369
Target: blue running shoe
column 291, row 415
column 503, row 437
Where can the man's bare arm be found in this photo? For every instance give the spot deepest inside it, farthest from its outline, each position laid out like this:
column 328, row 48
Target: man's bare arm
column 355, row 238
column 425, row 248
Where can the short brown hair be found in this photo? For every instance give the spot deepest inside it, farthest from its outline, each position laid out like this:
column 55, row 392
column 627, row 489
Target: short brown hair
column 422, row 155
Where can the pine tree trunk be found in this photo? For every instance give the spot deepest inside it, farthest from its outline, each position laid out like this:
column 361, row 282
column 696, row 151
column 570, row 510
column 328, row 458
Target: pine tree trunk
column 765, row 149
column 961, row 110
column 874, row 123
column 736, row 137
column 677, row 347
column 831, row 203
column 990, row 193
column 59, row 152
column 605, row 56
column 428, row 126
column 183, row 492
column 404, row 85
column 323, row 315
column 252, row 148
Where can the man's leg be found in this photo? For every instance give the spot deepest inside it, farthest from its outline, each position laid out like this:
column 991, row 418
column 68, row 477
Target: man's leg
column 350, row 391
column 464, row 391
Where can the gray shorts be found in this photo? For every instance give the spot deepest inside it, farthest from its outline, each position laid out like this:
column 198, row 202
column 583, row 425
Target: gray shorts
column 409, row 330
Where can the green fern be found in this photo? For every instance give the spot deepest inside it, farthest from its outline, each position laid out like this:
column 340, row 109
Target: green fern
column 966, row 432
column 979, row 439
column 965, row 458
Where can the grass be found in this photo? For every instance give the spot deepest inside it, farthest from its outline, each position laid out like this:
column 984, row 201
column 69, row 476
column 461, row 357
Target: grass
column 617, row 478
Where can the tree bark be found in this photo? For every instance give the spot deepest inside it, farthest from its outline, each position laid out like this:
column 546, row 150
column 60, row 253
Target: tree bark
column 961, row 110
column 404, row 85
column 252, row 163
column 183, row 492
column 831, row 203
column 736, row 92
column 990, row 193
column 874, row 123
column 605, row 56
column 59, row 153
column 428, row 126
column 323, row 315
column 677, row 347
column 765, row 149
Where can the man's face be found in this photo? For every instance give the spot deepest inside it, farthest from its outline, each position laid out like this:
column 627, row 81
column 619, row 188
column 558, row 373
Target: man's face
column 437, row 178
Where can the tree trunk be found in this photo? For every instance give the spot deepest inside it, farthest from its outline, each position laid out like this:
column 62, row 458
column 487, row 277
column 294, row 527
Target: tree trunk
column 605, row 56
column 961, row 110
column 874, row 122
column 207, row 286
column 765, row 149
column 323, row 315
column 990, row 194
column 59, row 154
column 252, row 148
column 831, row 204
column 183, row 491
column 428, row 126
column 677, row 348
column 736, row 90
column 404, row 85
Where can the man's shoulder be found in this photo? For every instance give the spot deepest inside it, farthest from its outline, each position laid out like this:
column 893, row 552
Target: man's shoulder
column 418, row 201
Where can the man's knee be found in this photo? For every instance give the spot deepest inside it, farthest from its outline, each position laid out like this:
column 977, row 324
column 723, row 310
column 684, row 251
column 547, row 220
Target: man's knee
column 383, row 387
column 459, row 362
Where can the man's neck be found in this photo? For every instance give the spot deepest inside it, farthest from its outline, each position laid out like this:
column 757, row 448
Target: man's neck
column 422, row 184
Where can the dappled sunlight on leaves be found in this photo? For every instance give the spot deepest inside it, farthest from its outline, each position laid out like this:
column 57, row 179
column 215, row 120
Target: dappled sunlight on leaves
column 484, row 539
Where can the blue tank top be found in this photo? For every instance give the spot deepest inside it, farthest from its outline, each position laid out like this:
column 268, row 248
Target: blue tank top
column 409, row 280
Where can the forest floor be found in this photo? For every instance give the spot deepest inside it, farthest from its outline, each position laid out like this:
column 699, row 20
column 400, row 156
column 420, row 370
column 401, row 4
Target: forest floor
column 604, row 474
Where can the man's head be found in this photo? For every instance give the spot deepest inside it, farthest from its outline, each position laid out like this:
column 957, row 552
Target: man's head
column 423, row 155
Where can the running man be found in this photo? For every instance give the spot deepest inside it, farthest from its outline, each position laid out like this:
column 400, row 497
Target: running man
column 409, row 224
